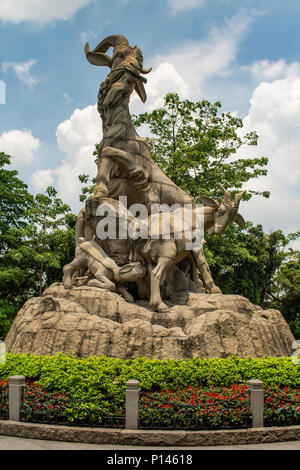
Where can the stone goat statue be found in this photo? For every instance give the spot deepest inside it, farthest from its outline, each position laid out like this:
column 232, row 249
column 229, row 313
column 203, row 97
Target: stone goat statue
column 125, row 168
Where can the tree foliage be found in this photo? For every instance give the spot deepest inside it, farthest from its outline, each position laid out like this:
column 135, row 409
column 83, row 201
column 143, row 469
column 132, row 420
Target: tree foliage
column 47, row 240
column 195, row 145
column 246, row 262
column 286, row 289
column 36, row 240
column 15, row 201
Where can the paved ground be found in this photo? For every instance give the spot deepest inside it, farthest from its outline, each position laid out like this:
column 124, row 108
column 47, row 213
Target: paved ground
column 17, row 443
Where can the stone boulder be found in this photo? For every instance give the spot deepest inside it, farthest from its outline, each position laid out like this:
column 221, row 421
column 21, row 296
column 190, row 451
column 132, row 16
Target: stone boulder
column 87, row 321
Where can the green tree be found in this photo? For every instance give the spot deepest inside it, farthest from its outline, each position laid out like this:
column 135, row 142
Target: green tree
column 286, row 290
column 295, row 327
column 47, row 240
column 15, row 201
column 194, row 144
column 246, row 261
column 36, row 241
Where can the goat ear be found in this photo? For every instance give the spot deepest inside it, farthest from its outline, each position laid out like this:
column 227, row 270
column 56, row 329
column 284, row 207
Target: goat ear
column 140, row 89
column 208, row 201
column 240, row 220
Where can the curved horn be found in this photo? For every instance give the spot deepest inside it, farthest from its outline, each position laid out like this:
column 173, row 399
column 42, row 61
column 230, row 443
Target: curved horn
column 111, row 41
column 226, row 192
column 97, row 58
column 148, row 70
column 238, row 198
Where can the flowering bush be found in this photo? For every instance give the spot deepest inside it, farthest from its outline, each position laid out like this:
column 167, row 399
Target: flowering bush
column 216, row 408
column 55, row 407
column 40, row 405
column 194, row 407
column 282, row 407
column 3, row 399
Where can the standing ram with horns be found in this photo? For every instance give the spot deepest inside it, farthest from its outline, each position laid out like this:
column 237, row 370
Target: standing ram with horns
column 125, row 164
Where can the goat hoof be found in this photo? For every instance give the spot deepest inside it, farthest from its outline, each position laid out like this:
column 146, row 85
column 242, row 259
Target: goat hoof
column 159, row 307
column 215, row 290
column 67, row 283
column 162, row 307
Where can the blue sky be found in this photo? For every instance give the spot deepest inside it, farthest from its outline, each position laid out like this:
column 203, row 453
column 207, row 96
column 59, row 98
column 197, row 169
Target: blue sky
column 244, row 54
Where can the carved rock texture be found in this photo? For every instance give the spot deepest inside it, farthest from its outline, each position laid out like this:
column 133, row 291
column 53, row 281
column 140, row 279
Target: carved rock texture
column 87, row 321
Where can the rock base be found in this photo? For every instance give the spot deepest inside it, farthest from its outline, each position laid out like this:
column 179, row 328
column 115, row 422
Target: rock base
column 87, row 321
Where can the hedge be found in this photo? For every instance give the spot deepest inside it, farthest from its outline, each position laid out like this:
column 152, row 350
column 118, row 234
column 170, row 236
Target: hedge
column 102, row 376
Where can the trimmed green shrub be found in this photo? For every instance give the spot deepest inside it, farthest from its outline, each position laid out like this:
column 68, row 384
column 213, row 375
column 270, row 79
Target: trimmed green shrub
column 100, row 375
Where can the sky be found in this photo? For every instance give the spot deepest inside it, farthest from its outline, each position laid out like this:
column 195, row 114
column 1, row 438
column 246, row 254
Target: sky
column 244, row 54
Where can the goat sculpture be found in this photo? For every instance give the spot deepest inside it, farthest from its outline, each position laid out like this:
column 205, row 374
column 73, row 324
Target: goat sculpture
column 125, row 168
column 166, row 252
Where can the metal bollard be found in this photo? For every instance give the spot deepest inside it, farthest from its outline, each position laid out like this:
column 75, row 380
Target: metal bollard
column 256, row 402
column 132, row 404
column 16, row 396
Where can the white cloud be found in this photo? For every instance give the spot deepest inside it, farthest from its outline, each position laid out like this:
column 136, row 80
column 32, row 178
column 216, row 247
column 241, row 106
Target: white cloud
column 22, row 71
column 162, row 80
column 76, row 137
column 275, row 114
column 190, row 68
column 41, row 179
column 295, row 245
column 41, row 11
column 271, row 70
column 180, row 5
column 21, row 145
column 266, row 69
column 2, row 92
